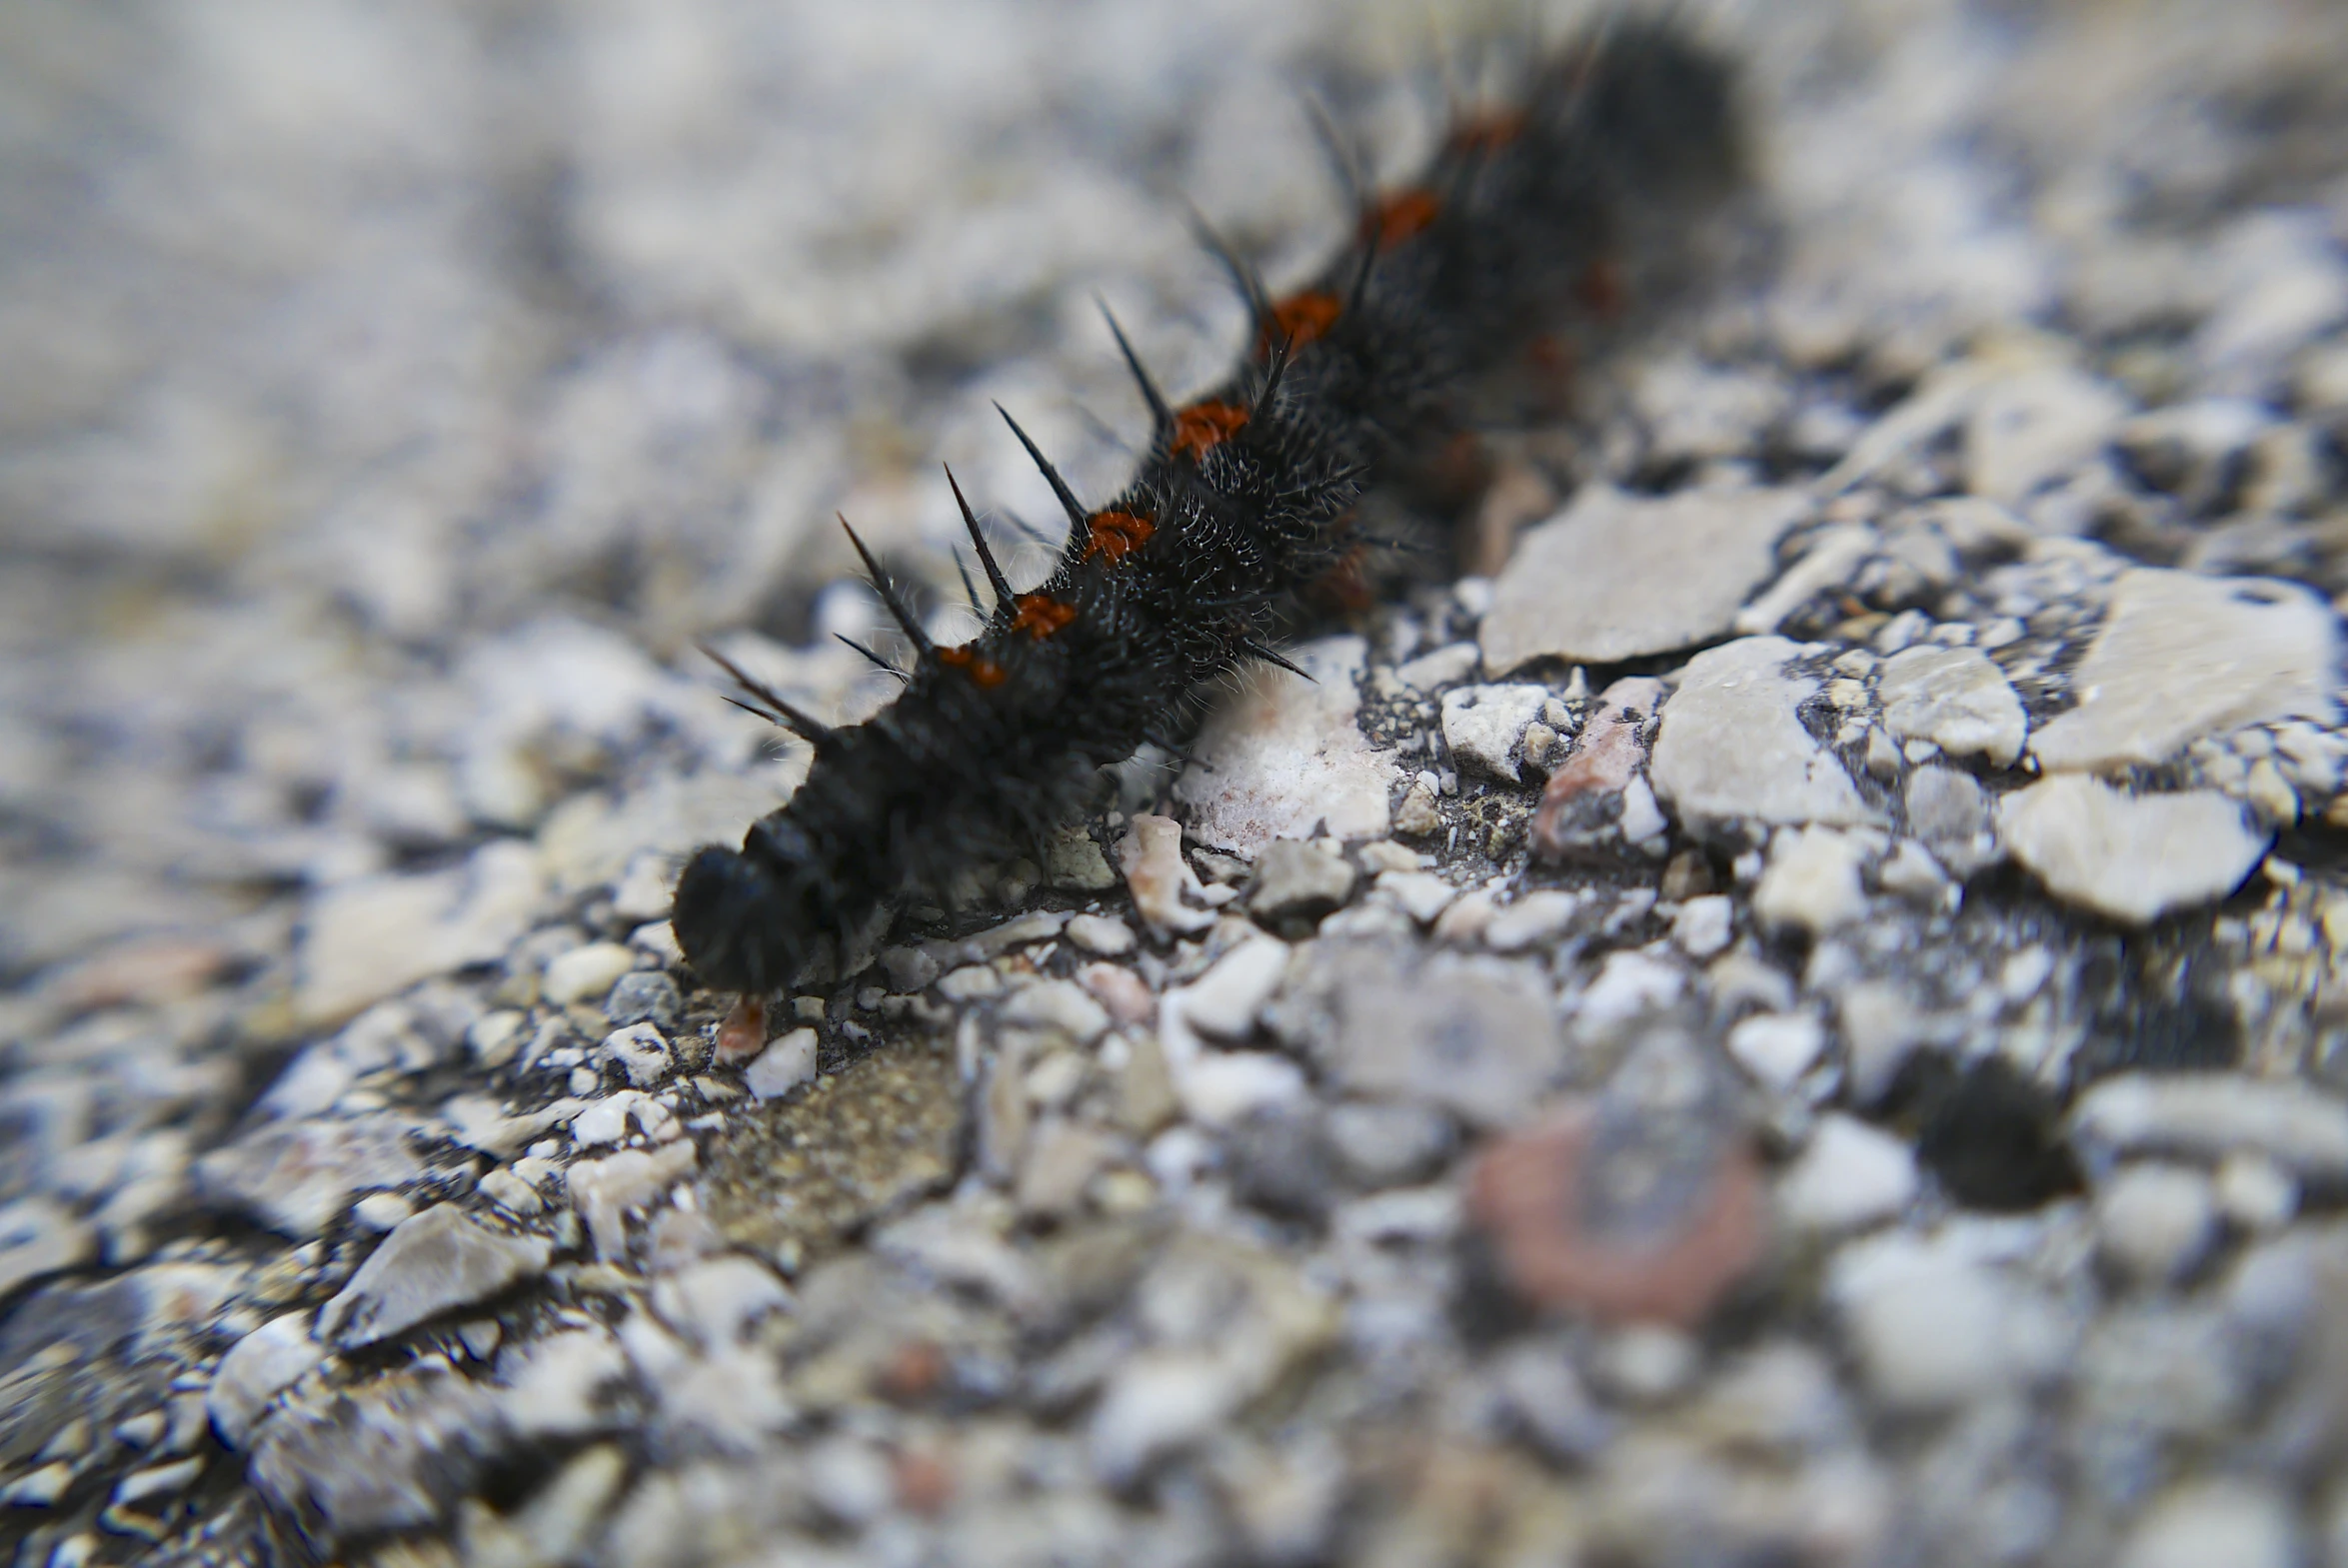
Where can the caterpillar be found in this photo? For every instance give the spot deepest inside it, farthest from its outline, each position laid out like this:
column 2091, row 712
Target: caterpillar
column 1246, row 497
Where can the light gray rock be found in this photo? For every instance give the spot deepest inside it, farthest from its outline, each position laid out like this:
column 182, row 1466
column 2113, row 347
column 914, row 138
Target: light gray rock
column 2155, row 1220
column 1051, row 1014
column 2211, row 1115
column 39, row 1236
column 586, row 974
column 1288, row 758
column 375, row 936
column 390, row 1455
column 2036, row 426
column 644, row 997
column 1296, row 876
column 1949, row 811
column 1777, row 1047
column 257, row 1368
column 2133, row 857
column 1954, row 698
column 295, row 1177
column 1484, row 726
column 1811, row 881
column 2181, row 657
column 1618, row 577
column 1445, row 667
column 1476, row 1036
column 1850, row 1176
column 1104, row 935
column 1388, row 1144
column 431, row 1262
column 1935, row 1328
column 2241, row 1523
column 604, row 1192
column 1732, row 747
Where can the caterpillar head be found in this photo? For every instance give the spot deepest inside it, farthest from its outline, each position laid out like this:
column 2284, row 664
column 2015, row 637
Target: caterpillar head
column 748, row 920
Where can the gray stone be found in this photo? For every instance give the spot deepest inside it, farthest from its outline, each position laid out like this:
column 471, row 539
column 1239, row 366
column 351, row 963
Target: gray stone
column 295, row 1177
column 645, row 996
column 1731, row 746
column 375, row 936
column 1851, row 1175
column 1484, row 726
column 1388, row 1144
column 431, row 1264
column 1949, row 811
column 2155, row 1220
column 2133, row 857
column 40, row 1236
column 1619, row 577
column 1476, row 1036
column 586, row 974
column 2211, row 1115
column 1104, row 935
column 2032, row 428
column 2181, row 657
column 390, row 1455
column 257, row 1368
column 1811, row 882
column 1954, row 698
column 1298, row 879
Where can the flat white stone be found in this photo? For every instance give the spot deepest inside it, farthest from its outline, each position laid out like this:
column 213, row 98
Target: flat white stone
column 641, row 1052
column 2183, row 655
column 2029, row 428
column 1533, row 919
column 2209, row 1115
column 1483, row 724
column 1441, row 668
column 1288, row 758
column 1618, row 577
column 431, row 1262
column 604, row 1190
column 1954, row 698
column 1225, row 999
column 586, row 974
column 257, row 1368
column 1104, row 935
column 782, row 1066
column 1934, row 1329
column 373, row 937
column 1705, row 925
column 1731, row 746
column 2132, row 858
column 1852, row 1175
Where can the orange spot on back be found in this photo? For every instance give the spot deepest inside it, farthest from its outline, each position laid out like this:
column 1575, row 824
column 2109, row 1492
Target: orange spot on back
column 1601, row 288
column 1116, row 534
column 1486, row 133
column 1202, row 427
column 985, row 673
column 1041, row 615
column 1399, row 217
column 1301, row 319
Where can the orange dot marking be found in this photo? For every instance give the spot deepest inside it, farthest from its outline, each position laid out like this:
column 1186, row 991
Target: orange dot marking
column 985, row 673
column 1116, row 534
column 1487, row 132
column 1041, row 615
column 1602, row 288
column 1301, row 319
column 1399, row 217
column 1202, row 427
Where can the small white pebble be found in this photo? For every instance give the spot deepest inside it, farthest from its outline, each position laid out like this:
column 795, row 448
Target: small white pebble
column 1777, row 1047
column 782, row 1066
column 2154, row 1221
column 2255, row 1193
column 586, row 974
column 1101, row 935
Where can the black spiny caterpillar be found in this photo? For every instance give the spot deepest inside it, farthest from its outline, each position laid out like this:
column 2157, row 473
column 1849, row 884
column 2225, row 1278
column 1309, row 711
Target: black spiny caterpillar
column 1245, row 498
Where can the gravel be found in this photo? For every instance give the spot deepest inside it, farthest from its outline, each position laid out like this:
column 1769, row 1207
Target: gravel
column 1792, row 1016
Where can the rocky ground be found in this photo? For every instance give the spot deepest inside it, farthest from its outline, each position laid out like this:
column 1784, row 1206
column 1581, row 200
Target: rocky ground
column 1798, row 1016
